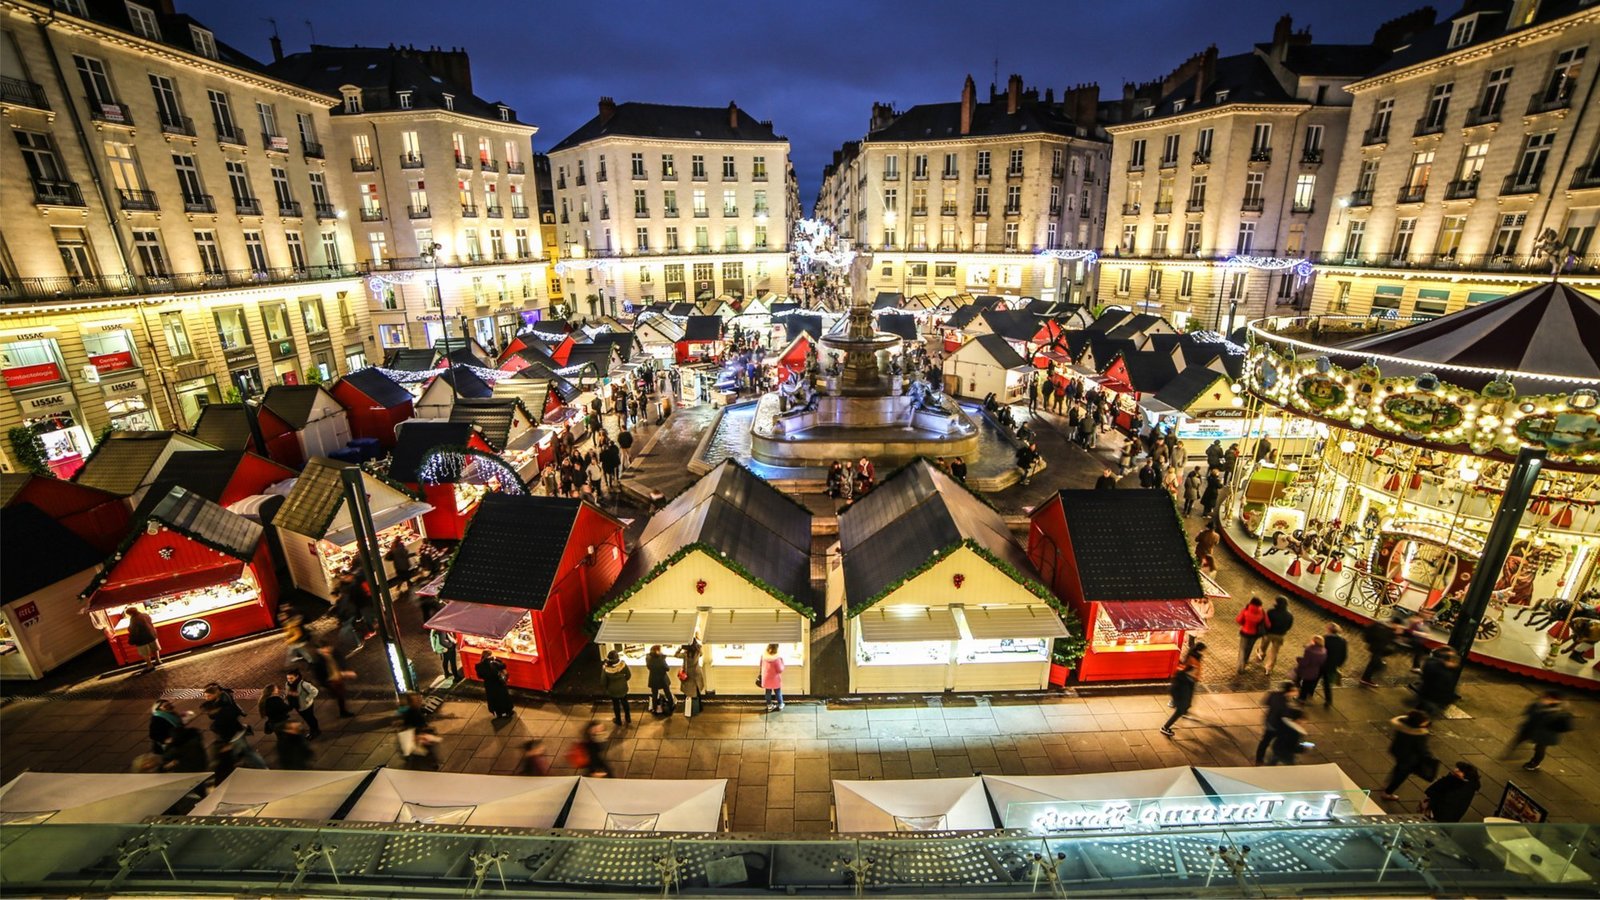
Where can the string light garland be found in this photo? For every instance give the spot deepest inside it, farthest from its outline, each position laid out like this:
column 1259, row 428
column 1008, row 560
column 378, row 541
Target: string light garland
column 457, row 465
column 1089, row 257
column 402, row 376
column 583, row 265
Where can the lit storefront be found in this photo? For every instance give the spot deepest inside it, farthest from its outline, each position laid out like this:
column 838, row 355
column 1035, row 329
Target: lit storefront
column 318, row 535
column 41, row 620
column 1388, row 512
column 36, row 375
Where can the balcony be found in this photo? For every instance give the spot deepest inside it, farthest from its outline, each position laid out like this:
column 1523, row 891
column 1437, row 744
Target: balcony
column 247, row 206
column 949, row 175
column 919, row 210
column 1303, row 209
column 469, row 210
column 669, row 174
column 1550, row 101
column 581, row 180
column 274, row 143
column 141, row 200
column 561, row 184
column 1253, row 204
column 177, row 125
column 290, row 208
column 1429, row 125
column 670, row 212
column 1261, row 155
column 59, row 288
column 418, row 212
column 199, row 203
column 1014, row 172
column 1584, row 179
column 1481, row 116
column 494, row 212
column 1377, row 134
column 363, row 164
column 311, row 149
column 113, row 113
column 1461, row 189
column 1167, row 162
column 372, row 214
column 463, row 162
column 230, row 134
column 948, row 209
column 1458, row 262
column 1013, row 210
column 1055, row 210
column 1202, row 158
column 981, row 211
column 600, row 176
column 1412, row 193
column 1130, row 209
column 1163, row 208
column 981, row 174
column 1059, row 172
column 411, row 160
column 1520, row 183
column 1361, row 197
column 489, row 165
column 702, row 213
column 1195, row 206
column 19, row 92
column 641, row 212
column 519, row 212
column 325, row 211
column 516, row 167
column 1311, row 156
column 1135, row 166
column 605, row 213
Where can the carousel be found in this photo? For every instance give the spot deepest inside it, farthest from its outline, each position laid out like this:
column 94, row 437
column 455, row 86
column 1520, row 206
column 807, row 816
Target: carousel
column 1377, row 456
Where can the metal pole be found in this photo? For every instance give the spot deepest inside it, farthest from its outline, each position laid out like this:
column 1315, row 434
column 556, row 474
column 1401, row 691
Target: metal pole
column 355, row 494
column 1503, row 530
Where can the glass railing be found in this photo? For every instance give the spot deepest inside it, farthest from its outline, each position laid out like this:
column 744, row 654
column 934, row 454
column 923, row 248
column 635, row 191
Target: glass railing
column 260, row 856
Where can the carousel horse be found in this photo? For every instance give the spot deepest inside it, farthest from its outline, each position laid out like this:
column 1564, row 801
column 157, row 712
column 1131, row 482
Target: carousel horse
column 1581, row 632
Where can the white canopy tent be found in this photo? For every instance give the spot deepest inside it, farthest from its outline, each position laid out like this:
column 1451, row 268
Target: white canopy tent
column 643, row 804
column 1323, row 778
column 458, row 798
column 1020, row 799
column 923, row 804
column 76, row 797
column 280, row 794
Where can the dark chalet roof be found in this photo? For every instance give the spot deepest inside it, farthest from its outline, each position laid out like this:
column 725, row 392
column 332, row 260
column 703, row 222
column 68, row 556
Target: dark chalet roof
column 511, row 553
column 1000, row 350
column 888, row 300
column 657, row 120
column 378, row 387
column 193, row 515
column 1188, row 385
column 942, row 121
column 916, row 514
column 796, row 324
column 1129, row 545
column 964, row 316
column 293, row 403
column 703, row 328
column 204, row 472
column 382, row 73
column 123, row 461
column 1149, row 370
column 414, row 440
column 225, row 425
column 492, row 416
column 318, row 493
column 901, row 325
column 406, row 359
column 465, row 383
column 52, row 553
column 1012, row 324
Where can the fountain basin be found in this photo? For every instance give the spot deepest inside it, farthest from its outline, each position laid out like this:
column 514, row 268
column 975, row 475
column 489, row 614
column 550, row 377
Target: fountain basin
column 842, row 428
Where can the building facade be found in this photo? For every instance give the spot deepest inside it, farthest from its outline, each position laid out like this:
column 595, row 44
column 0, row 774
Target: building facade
column 1464, row 150
column 1230, row 157
column 951, row 198
column 170, row 230
column 437, row 183
column 671, row 203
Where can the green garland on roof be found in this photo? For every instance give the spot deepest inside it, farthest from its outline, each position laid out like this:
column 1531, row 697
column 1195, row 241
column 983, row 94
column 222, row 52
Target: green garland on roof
column 609, row 606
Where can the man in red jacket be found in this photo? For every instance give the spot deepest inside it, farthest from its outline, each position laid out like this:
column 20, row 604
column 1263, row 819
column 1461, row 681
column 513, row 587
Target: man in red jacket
column 1252, row 624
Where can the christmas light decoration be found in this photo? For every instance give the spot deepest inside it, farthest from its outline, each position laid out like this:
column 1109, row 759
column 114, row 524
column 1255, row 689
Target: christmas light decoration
column 1071, row 255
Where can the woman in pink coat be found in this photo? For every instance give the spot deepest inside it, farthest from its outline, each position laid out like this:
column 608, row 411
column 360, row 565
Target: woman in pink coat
column 772, row 677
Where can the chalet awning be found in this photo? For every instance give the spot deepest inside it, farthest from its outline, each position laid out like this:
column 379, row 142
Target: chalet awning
column 648, row 627
column 998, row 622
column 753, row 626
column 477, row 619
column 909, row 623
column 1152, row 615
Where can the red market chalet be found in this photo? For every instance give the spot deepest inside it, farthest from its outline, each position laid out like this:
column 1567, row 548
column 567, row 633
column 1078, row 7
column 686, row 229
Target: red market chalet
column 376, row 405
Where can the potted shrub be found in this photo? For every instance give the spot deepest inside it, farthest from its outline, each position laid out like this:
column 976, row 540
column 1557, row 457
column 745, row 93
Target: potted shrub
column 1064, row 654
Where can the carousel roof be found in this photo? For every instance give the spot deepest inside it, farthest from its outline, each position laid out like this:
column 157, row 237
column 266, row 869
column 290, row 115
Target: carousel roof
column 1550, row 330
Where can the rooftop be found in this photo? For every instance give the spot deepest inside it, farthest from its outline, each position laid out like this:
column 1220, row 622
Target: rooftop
column 1107, row 529
column 658, row 120
column 511, row 553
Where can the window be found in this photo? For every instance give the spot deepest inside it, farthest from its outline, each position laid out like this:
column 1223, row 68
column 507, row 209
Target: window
column 297, row 250
column 1494, row 94
column 730, row 202
column 983, row 164
column 1136, row 155
column 1202, row 145
column 669, row 203
column 377, row 246
column 758, row 168
column 1438, row 106
column 702, row 238
column 255, row 251
column 1509, row 234
column 1153, row 287
column 1381, row 114
column 311, row 314
column 700, row 208
column 403, row 98
column 269, row 121
column 1313, row 148
column 1472, row 157
column 204, row 43
column 166, row 95
column 1253, row 184
column 1534, row 153
column 1354, row 238
column 890, row 238
column 919, row 165
column 1247, row 238
column 1404, row 231
column 232, row 329
column 188, row 178
column 330, row 248
column 485, row 151
column 319, row 191
column 760, row 242
column 1236, row 286
column 1186, row 283
column 730, row 237
column 1461, row 32
column 1579, row 230
column 1014, row 198
column 352, row 100
column 523, row 247
column 124, row 169
column 238, row 182
column 1169, row 150
column 919, row 235
column 641, row 203
column 1015, row 165
column 1450, row 231
column 1197, row 192
column 1130, row 238
column 143, row 21
column 1261, row 141
column 697, row 167
column 944, row 272
column 891, row 167
column 891, row 199
column 703, row 273
column 980, row 200
column 1124, row 280
column 950, row 163
column 641, row 240
column 1158, row 240
column 729, row 170
column 147, row 248
column 221, row 114
column 636, row 165
column 947, row 236
column 1563, row 77
column 1305, row 192
column 1367, row 178
column 176, row 334
column 1191, row 238
column 96, row 83
column 672, row 238
column 280, row 188
column 980, row 235
column 449, row 101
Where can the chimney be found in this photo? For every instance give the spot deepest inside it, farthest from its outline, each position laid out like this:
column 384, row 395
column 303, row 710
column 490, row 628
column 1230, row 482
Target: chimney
column 277, row 48
column 1396, row 33
column 1013, row 94
column 451, row 65
column 1082, row 103
column 1208, row 71
column 608, row 109
column 882, row 115
column 1282, row 31
column 1049, row 96
column 733, row 115
column 969, row 102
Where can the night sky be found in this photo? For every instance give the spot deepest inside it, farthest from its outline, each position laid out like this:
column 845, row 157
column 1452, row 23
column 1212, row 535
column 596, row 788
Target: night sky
column 813, row 68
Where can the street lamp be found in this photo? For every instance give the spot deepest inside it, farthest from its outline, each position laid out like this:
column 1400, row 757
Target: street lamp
column 1344, row 204
column 431, row 254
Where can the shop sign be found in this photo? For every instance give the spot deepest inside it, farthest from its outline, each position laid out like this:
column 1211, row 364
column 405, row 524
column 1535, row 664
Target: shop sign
column 278, row 142
column 37, row 332
column 105, row 326
column 112, row 362
column 25, row 376
column 1229, row 413
column 195, row 630
column 126, row 387
column 60, row 401
column 112, row 112
column 28, row 613
column 1189, row 812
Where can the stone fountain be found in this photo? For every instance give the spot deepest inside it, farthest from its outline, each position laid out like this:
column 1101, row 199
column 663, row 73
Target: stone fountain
column 862, row 409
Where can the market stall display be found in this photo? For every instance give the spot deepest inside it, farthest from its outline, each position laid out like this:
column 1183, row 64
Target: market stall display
column 922, row 804
column 936, row 592
column 507, row 425
column 1121, row 561
column 648, row 805
column 453, row 500
column 522, row 583
column 728, row 561
column 318, row 535
column 701, row 341
column 63, row 798
column 376, row 404
column 299, row 421
column 203, row 574
column 460, row 798
column 47, row 567
column 281, row 794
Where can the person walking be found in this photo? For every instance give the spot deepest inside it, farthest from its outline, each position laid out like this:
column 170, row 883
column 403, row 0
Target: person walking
column 588, row 753
column 1208, row 496
column 400, row 562
column 142, row 635
column 1191, row 489
column 693, row 677
column 1147, row 476
column 1437, row 687
column 659, row 681
column 1279, row 704
column 1449, row 798
column 624, row 448
column 1107, row 481
column 614, row 677
column 301, row 696
column 227, row 723
column 611, row 464
column 1205, row 547
column 1338, row 653
column 185, row 751
column 533, row 761
column 958, row 469
column 332, row 674
column 1252, row 622
column 1409, row 748
column 492, row 672
column 274, row 709
column 1379, row 637
column 164, row 723
column 294, row 745
column 444, row 644
column 1279, row 620
column 1543, row 722
column 1184, row 681
column 772, row 677
column 1308, row 668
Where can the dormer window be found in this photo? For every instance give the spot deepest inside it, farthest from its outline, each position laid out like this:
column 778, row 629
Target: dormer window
column 1177, row 106
column 505, row 114
column 404, row 98
column 1149, row 111
column 204, row 43
column 72, row 6
column 1222, row 96
column 1461, row 33
column 143, row 20
column 352, row 98
column 449, row 101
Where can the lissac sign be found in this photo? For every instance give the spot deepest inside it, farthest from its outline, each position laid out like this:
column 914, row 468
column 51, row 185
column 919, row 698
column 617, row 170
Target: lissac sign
column 1121, row 814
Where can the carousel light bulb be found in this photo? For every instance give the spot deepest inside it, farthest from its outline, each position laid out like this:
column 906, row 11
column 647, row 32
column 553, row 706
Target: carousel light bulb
column 1468, row 474
column 1237, row 402
column 1347, row 446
